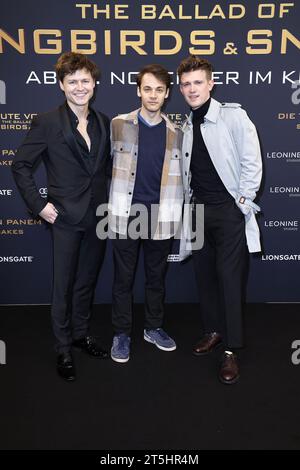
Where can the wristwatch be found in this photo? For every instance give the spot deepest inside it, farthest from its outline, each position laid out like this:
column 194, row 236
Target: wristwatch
column 242, row 200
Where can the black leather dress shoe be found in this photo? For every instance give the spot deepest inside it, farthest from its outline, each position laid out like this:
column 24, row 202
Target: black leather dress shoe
column 88, row 345
column 207, row 344
column 65, row 367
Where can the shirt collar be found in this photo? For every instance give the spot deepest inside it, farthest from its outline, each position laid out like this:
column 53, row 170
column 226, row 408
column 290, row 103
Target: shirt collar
column 74, row 118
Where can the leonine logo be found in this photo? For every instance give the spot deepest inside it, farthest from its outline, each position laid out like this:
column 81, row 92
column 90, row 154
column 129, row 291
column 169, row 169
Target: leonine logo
column 282, row 224
column 2, row 92
column 2, row 352
column 285, row 156
column 291, row 191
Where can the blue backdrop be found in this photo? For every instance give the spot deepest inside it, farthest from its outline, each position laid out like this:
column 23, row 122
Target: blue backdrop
column 254, row 47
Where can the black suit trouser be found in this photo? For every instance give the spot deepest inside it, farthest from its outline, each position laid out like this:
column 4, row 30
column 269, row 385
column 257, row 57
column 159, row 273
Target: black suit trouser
column 220, row 268
column 78, row 256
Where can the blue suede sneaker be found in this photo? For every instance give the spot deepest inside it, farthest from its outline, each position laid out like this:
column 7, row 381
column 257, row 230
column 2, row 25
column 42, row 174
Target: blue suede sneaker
column 120, row 348
column 160, row 338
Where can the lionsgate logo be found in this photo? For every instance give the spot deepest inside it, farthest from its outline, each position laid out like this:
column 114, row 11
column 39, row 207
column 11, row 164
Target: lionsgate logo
column 2, row 92
column 280, row 257
column 286, row 225
column 16, row 259
column 2, row 352
column 290, row 191
column 6, row 192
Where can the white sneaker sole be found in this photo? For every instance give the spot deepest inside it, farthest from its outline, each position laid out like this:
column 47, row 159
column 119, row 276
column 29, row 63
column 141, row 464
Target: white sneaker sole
column 118, row 359
column 146, row 338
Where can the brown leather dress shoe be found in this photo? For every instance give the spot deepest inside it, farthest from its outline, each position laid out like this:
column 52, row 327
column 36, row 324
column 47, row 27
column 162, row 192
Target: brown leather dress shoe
column 229, row 370
column 207, row 344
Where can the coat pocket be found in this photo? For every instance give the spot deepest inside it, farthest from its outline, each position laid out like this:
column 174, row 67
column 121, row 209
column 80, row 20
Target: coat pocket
column 122, row 155
column 175, row 164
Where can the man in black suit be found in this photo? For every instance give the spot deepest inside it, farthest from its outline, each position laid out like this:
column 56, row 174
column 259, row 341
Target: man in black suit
column 73, row 142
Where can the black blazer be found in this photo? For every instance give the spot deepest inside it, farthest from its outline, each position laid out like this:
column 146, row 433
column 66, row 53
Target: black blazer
column 70, row 181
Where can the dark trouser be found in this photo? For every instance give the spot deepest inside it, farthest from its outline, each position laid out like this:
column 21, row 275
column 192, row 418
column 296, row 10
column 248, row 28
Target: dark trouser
column 220, row 268
column 78, row 255
column 155, row 262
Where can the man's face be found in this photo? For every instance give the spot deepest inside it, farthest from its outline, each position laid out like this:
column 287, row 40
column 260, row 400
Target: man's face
column 152, row 92
column 196, row 87
column 78, row 87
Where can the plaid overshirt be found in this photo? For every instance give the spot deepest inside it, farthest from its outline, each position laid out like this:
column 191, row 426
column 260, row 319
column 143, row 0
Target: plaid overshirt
column 124, row 145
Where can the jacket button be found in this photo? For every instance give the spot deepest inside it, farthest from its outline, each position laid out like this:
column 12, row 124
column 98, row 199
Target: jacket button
column 132, row 174
column 129, row 194
column 186, row 154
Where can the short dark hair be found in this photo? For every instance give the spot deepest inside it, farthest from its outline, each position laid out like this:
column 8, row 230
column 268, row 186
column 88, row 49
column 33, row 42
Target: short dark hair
column 70, row 62
column 158, row 71
column 192, row 63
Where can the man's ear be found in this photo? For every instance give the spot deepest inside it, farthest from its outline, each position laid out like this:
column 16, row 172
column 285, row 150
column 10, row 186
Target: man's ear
column 138, row 92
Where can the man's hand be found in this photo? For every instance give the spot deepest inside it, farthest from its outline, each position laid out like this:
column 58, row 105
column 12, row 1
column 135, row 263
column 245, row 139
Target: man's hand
column 244, row 208
column 49, row 213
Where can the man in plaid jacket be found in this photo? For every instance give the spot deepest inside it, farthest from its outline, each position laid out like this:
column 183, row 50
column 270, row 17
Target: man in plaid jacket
column 146, row 177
